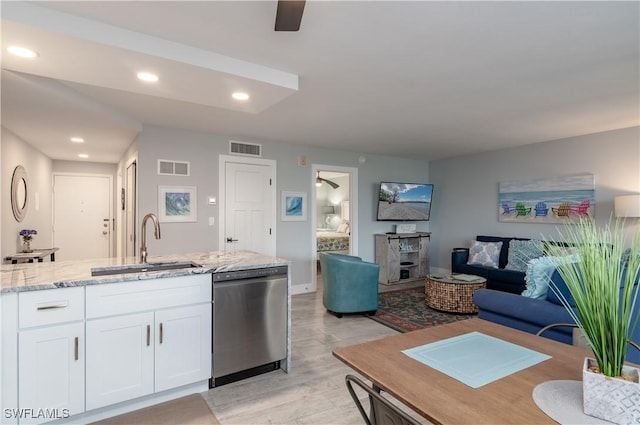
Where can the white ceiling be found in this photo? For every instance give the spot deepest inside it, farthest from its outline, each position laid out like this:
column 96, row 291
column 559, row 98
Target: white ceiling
column 419, row 79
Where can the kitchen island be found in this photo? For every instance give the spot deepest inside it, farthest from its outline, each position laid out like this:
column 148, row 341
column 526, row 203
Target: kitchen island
column 86, row 340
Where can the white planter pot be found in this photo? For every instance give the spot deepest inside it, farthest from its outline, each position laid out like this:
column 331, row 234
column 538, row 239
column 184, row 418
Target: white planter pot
column 612, row 399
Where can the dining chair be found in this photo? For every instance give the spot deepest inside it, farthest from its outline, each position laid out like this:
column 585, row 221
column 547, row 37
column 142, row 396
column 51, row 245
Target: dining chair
column 382, row 410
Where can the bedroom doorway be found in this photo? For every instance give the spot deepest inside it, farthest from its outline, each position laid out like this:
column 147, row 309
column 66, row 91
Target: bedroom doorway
column 333, row 213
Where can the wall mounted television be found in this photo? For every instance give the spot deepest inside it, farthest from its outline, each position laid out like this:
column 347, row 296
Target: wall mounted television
column 404, row 201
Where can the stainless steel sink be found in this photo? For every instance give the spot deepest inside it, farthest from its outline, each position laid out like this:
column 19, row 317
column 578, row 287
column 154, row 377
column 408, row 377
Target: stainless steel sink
column 144, row 267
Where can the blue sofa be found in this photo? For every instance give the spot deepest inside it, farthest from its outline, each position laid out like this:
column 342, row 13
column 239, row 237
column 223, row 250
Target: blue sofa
column 350, row 285
column 498, row 279
column 531, row 315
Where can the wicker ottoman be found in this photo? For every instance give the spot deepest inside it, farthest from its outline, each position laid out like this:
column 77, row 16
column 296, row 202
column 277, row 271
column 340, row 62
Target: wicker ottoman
column 452, row 295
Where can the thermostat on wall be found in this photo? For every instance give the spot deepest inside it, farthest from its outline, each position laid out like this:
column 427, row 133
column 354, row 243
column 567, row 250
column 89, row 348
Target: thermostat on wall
column 405, row 228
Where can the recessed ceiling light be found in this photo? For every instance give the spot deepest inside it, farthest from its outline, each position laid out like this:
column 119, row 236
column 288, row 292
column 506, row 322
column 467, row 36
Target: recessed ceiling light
column 240, row 95
column 83, row 155
column 23, row 52
column 77, row 140
column 148, row 77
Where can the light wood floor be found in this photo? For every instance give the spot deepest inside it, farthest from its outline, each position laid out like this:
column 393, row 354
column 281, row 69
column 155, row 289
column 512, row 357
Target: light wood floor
column 314, row 392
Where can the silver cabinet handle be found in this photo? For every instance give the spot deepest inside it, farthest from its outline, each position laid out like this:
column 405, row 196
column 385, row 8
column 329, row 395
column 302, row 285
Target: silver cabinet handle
column 148, row 335
column 75, row 349
column 161, row 333
column 50, row 307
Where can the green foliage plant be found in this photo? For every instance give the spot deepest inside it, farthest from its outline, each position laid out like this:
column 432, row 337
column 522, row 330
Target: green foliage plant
column 602, row 285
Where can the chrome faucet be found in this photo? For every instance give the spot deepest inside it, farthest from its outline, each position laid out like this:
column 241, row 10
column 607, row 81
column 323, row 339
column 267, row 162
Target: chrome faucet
column 143, row 242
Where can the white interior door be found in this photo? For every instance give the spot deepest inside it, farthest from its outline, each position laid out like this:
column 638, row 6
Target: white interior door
column 249, row 207
column 82, row 216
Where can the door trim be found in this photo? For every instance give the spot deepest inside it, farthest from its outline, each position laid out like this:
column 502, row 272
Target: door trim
column 222, row 166
column 353, row 215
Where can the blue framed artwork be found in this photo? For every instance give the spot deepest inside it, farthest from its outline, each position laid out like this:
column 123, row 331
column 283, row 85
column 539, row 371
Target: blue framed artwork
column 177, row 204
column 294, row 206
column 549, row 200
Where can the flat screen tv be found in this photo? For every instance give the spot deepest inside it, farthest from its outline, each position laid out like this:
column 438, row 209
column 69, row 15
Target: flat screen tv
column 404, row 201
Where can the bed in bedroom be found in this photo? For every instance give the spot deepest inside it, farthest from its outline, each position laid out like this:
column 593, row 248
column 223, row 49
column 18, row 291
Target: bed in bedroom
column 332, row 241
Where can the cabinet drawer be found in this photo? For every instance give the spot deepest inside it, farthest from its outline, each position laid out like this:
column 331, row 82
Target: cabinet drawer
column 143, row 295
column 47, row 307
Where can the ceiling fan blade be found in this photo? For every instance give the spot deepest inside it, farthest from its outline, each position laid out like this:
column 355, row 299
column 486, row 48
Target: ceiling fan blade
column 330, row 183
column 289, row 15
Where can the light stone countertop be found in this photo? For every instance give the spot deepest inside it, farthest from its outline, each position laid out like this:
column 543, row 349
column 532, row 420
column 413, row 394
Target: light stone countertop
column 64, row 274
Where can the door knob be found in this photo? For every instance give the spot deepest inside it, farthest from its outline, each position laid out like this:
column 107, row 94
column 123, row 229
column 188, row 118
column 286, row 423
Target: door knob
column 229, row 240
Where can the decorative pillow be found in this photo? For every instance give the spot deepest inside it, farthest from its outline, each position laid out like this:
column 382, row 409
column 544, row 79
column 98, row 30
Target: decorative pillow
column 343, row 228
column 485, row 253
column 557, row 287
column 539, row 271
column 520, row 252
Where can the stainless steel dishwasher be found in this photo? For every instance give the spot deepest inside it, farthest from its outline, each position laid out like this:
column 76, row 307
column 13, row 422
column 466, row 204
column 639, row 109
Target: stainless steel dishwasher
column 249, row 323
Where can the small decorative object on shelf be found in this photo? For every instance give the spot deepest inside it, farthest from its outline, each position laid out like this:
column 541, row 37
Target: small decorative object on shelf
column 27, row 236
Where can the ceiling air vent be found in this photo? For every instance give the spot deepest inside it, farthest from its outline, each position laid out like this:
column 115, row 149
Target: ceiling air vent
column 173, row 168
column 247, row 149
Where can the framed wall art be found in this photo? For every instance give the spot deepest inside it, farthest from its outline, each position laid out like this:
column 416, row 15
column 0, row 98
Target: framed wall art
column 294, row 206
column 547, row 200
column 177, row 204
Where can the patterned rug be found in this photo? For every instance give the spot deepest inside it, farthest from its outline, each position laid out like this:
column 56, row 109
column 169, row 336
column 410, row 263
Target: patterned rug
column 404, row 310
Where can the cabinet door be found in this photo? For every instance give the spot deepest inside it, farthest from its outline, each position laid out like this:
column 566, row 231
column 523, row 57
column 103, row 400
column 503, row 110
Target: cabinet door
column 119, row 359
column 393, row 258
column 424, row 256
column 51, row 370
column 183, row 346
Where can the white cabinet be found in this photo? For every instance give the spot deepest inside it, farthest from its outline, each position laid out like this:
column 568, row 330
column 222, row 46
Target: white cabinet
column 183, row 346
column 69, row 351
column 51, row 370
column 119, row 359
column 132, row 353
column 51, row 354
column 402, row 257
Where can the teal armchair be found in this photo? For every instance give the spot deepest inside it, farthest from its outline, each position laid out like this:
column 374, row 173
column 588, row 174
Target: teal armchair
column 350, row 284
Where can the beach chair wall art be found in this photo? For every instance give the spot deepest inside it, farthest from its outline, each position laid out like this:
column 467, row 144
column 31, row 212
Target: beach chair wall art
column 547, row 200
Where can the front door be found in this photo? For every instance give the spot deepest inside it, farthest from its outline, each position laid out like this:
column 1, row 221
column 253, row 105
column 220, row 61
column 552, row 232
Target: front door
column 82, row 216
column 249, row 206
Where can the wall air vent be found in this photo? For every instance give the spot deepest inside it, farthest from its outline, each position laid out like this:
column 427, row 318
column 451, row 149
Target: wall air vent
column 246, row 149
column 173, row 168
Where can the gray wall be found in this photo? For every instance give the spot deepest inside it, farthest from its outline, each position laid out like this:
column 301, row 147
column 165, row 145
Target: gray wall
column 466, row 188
column 16, row 151
column 293, row 238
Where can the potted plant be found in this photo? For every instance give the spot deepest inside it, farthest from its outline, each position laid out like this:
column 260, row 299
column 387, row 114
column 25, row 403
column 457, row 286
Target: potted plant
column 27, row 236
column 602, row 295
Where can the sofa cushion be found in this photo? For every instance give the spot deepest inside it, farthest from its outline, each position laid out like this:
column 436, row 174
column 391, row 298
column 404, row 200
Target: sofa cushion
column 508, row 276
column 485, row 253
column 474, row 269
column 529, row 310
column 521, row 252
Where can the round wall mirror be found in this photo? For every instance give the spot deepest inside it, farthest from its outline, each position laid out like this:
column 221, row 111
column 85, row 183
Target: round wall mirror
column 19, row 193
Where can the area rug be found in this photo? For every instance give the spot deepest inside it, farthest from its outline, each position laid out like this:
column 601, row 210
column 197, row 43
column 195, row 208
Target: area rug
column 189, row 410
column 404, row 310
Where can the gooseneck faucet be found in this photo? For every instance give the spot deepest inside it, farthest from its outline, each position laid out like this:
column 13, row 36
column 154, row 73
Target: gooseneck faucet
column 143, row 241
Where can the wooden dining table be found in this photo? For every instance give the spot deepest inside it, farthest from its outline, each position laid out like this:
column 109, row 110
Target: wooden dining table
column 444, row 400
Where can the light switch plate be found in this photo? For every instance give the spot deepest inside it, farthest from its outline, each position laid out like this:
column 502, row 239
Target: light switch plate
column 212, row 221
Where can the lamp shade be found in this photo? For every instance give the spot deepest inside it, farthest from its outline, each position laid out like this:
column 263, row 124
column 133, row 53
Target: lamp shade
column 627, row 206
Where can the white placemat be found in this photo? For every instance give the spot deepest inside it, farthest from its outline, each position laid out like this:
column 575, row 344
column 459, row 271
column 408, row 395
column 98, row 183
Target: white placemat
column 562, row 401
column 460, row 357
